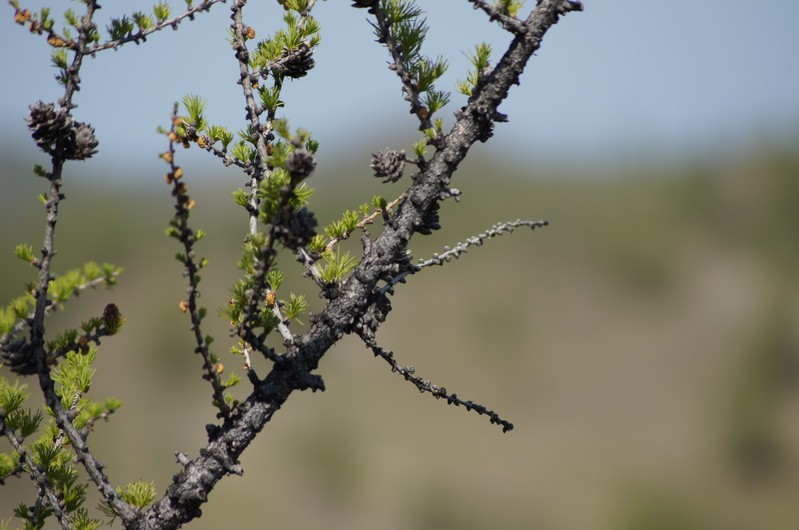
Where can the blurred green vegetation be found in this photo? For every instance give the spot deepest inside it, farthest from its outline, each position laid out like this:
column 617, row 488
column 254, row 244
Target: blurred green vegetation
column 645, row 345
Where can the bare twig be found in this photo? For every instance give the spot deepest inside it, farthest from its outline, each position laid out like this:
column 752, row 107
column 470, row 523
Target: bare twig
column 424, row 385
column 461, row 248
column 227, row 160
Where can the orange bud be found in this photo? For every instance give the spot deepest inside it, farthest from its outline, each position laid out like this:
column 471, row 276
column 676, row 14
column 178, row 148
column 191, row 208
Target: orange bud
column 202, row 141
column 55, row 41
column 167, row 156
column 178, row 173
column 249, row 32
column 183, row 306
column 271, row 298
column 219, row 368
column 21, row 16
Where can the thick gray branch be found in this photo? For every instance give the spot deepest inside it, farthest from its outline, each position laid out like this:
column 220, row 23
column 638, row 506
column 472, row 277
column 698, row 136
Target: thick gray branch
column 356, row 297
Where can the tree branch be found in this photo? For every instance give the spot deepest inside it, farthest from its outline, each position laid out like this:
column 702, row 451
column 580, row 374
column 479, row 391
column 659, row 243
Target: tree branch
column 510, row 23
column 92, row 467
column 461, row 248
column 51, row 496
column 187, row 237
column 357, row 305
column 424, row 385
column 141, row 36
column 356, row 297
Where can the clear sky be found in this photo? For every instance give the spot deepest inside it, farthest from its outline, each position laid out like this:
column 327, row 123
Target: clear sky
column 622, row 78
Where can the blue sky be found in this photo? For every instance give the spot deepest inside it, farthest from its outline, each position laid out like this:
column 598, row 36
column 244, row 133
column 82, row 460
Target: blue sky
column 624, row 78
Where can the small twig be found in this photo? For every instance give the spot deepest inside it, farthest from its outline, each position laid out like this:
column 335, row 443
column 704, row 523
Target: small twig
column 247, row 361
column 51, row 496
column 369, row 219
column 398, row 66
column 455, row 252
column 142, row 35
column 282, row 328
column 187, row 236
column 19, row 326
column 308, row 261
column 227, row 160
column 424, row 385
column 510, row 23
column 256, row 343
column 260, row 170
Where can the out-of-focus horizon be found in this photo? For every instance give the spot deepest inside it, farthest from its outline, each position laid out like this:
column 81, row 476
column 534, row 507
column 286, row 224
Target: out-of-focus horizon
column 645, row 344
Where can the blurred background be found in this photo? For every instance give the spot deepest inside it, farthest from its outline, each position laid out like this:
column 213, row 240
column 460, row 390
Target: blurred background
column 645, row 345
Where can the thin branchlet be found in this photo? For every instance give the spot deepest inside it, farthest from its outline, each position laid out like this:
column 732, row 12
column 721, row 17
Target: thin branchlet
column 52, row 498
column 363, row 223
column 9, row 338
column 188, row 237
column 461, row 248
column 425, row 386
column 508, row 22
column 227, row 160
column 141, row 35
column 259, row 171
column 382, row 27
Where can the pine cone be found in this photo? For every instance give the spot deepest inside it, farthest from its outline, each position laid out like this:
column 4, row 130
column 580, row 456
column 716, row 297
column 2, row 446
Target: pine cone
column 388, row 165
column 298, row 230
column 298, row 62
column 18, row 357
column 54, row 130
column 300, row 163
column 83, row 143
column 50, row 127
